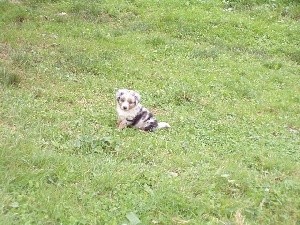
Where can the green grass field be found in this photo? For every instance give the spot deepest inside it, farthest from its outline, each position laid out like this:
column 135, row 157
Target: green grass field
column 224, row 74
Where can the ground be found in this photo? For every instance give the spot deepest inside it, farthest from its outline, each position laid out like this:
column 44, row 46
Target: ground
column 223, row 74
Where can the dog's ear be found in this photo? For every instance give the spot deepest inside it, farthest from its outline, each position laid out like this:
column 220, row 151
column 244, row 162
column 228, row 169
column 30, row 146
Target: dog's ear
column 137, row 96
column 119, row 93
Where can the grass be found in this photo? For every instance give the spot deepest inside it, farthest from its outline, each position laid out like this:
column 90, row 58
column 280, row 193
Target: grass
column 224, row 74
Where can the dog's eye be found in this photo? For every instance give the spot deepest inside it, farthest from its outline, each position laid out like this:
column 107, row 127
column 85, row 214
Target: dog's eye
column 122, row 100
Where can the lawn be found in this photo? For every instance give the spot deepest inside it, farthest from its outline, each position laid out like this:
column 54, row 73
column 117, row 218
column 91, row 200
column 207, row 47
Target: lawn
column 223, row 74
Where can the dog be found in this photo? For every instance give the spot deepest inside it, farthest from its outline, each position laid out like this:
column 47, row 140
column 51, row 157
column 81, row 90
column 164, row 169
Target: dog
column 132, row 114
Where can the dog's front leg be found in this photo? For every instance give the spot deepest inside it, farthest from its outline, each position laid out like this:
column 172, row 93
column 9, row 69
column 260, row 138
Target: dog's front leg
column 122, row 124
column 118, row 122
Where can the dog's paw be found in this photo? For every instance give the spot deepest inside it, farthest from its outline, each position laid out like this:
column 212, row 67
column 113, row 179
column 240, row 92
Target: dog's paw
column 122, row 125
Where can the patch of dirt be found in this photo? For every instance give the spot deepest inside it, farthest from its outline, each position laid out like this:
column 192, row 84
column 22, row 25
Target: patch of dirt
column 4, row 52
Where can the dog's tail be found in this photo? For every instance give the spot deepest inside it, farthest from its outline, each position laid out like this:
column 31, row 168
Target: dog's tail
column 163, row 125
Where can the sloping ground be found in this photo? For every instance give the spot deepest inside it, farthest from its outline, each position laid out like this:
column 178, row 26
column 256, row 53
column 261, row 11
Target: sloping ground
column 224, row 74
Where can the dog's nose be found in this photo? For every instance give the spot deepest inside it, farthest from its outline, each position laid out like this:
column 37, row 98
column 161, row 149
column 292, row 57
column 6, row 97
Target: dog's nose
column 124, row 107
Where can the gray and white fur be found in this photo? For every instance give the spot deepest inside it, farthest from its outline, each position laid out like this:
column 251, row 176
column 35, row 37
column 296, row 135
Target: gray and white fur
column 132, row 114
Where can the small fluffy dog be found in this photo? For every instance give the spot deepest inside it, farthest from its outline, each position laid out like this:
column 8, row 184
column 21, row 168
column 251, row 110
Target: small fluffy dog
column 132, row 114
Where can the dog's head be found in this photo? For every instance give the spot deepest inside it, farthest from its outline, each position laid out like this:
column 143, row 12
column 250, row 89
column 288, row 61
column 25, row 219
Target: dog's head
column 127, row 99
